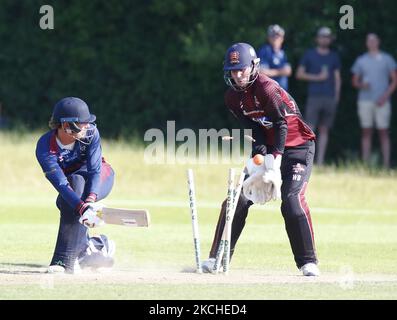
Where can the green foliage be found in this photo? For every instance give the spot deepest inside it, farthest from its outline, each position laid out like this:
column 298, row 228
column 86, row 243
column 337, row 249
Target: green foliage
column 140, row 63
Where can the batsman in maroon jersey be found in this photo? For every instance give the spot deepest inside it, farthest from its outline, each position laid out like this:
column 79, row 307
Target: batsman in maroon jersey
column 287, row 143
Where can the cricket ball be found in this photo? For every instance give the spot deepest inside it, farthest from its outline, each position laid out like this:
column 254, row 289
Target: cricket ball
column 258, row 159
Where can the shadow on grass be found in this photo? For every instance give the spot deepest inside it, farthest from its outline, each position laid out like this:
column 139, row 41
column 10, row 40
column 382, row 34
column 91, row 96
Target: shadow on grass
column 20, row 268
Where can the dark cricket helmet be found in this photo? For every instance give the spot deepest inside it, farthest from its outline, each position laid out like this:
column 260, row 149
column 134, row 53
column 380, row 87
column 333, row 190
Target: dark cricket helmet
column 238, row 57
column 71, row 109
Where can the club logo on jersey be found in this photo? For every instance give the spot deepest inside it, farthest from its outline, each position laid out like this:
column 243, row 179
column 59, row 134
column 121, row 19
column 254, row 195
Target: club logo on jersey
column 63, row 155
column 298, row 168
column 264, row 122
column 234, row 57
column 66, row 157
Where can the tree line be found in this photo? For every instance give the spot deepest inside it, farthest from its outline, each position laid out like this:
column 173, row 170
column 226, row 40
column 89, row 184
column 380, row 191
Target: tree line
column 140, row 63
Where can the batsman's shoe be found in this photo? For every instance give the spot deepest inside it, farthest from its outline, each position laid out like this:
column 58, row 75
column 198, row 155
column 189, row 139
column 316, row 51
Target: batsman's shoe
column 61, row 269
column 208, row 265
column 310, row 270
column 56, row 269
column 99, row 253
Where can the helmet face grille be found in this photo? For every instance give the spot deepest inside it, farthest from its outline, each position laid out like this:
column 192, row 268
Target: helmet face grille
column 89, row 134
column 231, row 83
column 74, row 127
column 86, row 135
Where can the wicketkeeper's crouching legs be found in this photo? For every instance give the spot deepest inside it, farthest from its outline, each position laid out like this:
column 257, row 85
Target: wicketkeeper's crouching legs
column 237, row 226
column 299, row 228
column 296, row 169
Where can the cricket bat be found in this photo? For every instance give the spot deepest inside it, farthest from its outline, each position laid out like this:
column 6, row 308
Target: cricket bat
column 125, row 217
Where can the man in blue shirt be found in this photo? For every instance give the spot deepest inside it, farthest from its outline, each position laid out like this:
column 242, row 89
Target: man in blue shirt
column 70, row 156
column 320, row 66
column 273, row 60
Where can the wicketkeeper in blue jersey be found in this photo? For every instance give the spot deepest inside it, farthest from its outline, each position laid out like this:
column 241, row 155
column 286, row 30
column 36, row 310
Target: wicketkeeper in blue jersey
column 70, row 155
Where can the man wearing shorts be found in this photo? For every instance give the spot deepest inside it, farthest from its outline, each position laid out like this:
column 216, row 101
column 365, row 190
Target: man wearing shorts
column 320, row 66
column 374, row 75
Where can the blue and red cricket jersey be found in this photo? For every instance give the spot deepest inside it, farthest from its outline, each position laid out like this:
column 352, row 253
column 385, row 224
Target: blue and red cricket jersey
column 58, row 163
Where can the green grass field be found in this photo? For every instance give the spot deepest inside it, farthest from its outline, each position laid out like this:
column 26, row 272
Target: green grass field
column 353, row 212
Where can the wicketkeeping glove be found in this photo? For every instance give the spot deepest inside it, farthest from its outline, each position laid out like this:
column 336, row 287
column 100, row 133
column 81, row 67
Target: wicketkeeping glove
column 272, row 175
column 254, row 187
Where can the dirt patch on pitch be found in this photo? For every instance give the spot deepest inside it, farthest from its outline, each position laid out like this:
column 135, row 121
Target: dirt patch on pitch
column 30, row 275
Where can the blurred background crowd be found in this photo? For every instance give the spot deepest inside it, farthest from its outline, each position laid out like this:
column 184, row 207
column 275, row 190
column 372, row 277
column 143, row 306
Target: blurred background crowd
column 141, row 63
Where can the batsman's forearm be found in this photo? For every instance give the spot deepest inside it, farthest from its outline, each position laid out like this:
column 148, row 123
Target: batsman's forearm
column 63, row 187
column 93, row 183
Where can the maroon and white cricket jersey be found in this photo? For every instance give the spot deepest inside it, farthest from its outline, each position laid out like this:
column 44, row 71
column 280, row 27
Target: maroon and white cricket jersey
column 266, row 105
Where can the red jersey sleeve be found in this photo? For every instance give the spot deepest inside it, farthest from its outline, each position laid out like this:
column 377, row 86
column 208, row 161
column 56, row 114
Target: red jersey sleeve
column 270, row 96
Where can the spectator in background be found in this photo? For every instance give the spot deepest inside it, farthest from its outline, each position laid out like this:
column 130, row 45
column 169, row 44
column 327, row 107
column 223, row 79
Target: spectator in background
column 320, row 66
column 274, row 61
column 374, row 74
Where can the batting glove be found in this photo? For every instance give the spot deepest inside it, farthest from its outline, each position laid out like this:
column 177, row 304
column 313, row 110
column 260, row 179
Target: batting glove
column 90, row 218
